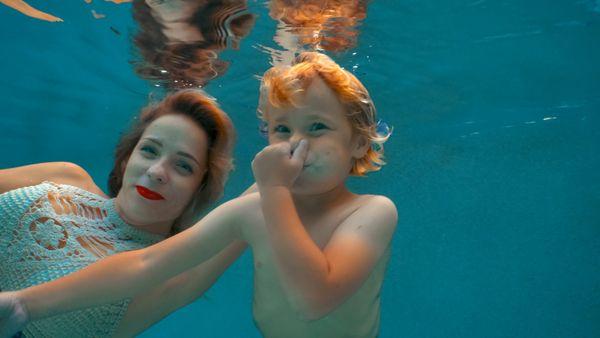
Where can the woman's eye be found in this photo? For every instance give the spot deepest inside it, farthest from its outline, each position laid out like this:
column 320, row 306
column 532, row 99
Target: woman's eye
column 281, row 129
column 318, row 126
column 148, row 150
column 186, row 167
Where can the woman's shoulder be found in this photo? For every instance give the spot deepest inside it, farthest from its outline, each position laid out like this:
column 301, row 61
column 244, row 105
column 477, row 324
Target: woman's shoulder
column 67, row 173
column 78, row 177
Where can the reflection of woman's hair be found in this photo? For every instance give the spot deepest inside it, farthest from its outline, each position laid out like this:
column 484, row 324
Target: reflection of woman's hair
column 177, row 64
column 205, row 112
column 325, row 24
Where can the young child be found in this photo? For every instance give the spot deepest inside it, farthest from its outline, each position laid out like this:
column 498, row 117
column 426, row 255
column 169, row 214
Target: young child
column 320, row 251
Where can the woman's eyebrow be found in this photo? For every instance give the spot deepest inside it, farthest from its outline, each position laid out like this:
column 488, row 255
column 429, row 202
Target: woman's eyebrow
column 153, row 140
column 184, row 154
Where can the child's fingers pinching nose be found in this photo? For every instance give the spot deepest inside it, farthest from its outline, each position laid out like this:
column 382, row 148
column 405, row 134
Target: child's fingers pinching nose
column 301, row 151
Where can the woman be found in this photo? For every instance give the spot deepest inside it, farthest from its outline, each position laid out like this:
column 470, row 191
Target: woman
column 54, row 219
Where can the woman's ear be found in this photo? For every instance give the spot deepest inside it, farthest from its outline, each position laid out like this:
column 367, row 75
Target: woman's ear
column 360, row 146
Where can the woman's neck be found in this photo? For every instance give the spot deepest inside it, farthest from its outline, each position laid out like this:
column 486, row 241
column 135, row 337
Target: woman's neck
column 157, row 228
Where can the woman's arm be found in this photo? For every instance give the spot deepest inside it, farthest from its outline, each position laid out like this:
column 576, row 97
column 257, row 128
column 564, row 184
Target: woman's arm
column 148, row 308
column 13, row 316
column 129, row 273
column 251, row 189
column 57, row 172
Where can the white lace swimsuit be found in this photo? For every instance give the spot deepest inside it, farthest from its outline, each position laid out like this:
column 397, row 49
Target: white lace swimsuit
column 51, row 230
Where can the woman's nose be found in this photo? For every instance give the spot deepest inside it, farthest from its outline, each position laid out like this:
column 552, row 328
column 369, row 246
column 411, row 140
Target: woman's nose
column 157, row 172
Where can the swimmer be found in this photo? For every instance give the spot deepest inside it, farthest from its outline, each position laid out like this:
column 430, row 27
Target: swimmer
column 54, row 219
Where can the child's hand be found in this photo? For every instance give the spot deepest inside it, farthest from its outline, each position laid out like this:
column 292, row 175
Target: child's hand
column 13, row 314
column 279, row 164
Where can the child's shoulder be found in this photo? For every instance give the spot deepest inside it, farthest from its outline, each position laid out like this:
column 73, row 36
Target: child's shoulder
column 375, row 211
column 372, row 222
column 368, row 212
column 376, row 202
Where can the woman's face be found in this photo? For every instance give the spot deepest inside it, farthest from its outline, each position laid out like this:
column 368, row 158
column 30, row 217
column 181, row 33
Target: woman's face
column 163, row 173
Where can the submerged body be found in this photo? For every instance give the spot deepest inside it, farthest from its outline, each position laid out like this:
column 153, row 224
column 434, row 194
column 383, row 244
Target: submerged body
column 358, row 316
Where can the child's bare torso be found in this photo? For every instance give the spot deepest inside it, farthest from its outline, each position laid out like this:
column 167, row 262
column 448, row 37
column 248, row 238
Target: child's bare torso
column 356, row 317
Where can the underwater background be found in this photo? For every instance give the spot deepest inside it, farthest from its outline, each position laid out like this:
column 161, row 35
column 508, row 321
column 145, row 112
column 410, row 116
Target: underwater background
column 493, row 162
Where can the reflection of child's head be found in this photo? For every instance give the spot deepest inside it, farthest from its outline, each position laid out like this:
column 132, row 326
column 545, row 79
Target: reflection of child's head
column 329, row 25
column 284, row 86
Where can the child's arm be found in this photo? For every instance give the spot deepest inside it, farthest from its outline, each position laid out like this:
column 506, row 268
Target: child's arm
column 317, row 281
column 129, row 273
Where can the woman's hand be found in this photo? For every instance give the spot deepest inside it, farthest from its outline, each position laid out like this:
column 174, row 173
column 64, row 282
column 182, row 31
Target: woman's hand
column 13, row 314
column 279, row 164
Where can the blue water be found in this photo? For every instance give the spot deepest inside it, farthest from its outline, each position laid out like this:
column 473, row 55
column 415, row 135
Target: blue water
column 493, row 163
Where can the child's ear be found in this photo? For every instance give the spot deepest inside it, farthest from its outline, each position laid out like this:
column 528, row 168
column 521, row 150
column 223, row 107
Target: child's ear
column 361, row 146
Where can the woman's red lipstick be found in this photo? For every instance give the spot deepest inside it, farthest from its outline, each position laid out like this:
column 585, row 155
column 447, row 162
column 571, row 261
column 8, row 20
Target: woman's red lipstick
column 149, row 194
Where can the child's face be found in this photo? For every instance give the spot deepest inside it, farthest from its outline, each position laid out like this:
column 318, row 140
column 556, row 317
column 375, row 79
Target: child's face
column 321, row 120
column 164, row 170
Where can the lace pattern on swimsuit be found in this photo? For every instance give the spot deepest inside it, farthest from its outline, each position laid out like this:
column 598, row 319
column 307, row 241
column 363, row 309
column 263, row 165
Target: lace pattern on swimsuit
column 62, row 229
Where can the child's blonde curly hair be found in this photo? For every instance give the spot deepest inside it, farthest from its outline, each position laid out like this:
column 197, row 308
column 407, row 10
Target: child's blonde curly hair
column 283, row 86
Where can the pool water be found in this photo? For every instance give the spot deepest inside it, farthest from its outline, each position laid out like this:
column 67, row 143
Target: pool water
column 493, row 162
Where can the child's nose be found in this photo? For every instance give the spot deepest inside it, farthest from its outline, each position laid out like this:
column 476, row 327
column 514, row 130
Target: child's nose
column 294, row 144
column 295, row 139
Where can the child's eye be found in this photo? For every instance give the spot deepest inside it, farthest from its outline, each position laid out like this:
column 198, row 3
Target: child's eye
column 185, row 167
column 318, row 126
column 281, row 129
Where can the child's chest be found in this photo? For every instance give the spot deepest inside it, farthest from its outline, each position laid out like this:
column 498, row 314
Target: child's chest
column 320, row 226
